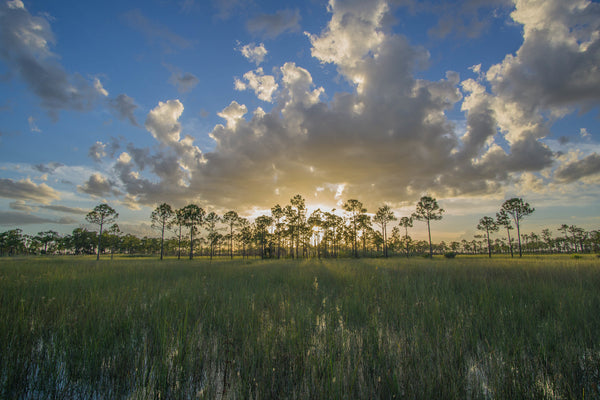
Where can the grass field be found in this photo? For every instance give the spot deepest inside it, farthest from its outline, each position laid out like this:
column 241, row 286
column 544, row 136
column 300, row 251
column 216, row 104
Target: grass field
column 142, row 329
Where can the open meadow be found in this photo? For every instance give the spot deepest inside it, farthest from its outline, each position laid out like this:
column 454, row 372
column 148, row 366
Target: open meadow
column 71, row 327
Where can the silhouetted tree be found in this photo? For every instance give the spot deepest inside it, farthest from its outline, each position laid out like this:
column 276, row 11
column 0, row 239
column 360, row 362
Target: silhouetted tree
column 210, row 222
column 488, row 225
column 299, row 206
column 383, row 216
column 179, row 223
column 355, row 208
column 231, row 219
column 278, row 213
column 517, row 209
column 428, row 210
column 100, row 215
column 503, row 219
column 262, row 223
column 192, row 219
column 112, row 234
column 162, row 218
column 406, row 222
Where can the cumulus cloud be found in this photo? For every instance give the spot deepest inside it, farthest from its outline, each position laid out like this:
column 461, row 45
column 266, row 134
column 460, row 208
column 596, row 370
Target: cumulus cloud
column 97, row 151
column 252, row 52
column 388, row 139
column 233, row 113
column 97, row 185
column 124, row 107
column 273, row 25
column 163, row 121
column 556, row 66
column 25, row 41
column 264, row 86
column 25, row 189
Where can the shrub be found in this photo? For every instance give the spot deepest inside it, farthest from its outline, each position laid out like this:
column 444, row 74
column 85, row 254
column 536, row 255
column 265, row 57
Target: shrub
column 450, row 254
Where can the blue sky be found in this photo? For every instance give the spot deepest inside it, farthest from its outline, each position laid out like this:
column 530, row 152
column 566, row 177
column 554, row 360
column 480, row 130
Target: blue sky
column 240, row 104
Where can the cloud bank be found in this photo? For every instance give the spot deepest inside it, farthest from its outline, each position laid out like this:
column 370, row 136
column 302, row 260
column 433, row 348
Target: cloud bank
column 388, row 139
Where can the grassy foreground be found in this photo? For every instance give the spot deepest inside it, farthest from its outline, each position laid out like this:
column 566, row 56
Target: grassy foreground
column 142, row 329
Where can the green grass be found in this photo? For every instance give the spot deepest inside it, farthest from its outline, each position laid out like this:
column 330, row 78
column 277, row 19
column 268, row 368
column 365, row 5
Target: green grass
column 445, row 328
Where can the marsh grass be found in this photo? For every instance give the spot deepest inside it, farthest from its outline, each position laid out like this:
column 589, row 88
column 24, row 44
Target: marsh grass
column 441, row 328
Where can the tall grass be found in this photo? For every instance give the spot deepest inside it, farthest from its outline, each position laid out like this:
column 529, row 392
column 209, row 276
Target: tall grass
column 461, row 328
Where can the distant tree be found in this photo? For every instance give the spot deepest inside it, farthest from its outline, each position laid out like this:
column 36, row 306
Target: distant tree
column 48, row 238
column 487, row 224
column 383, row 216
column 82, row 241
column 210, row 223
column 162, row 218
column 332, row 228
column 12, row 241
column 101, row 214
column 231, row 219
column 245, row 235
column 503, row 219
column 112, row 234
column 517, row 209
column 356, row 209
column 298, row 218
column 579, row 236
column 179, row 224
column 594, row 239
column 262, row 223
column 315, row 224
column 406, row 222
column 564, row 228
column 547, row 237
column 192, row 219
column 454, row 246
column 428, row 210
column 278, row 213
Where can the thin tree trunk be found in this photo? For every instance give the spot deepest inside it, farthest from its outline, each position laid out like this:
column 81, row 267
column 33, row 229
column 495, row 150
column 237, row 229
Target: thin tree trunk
column 430, row 246
column 99, row 242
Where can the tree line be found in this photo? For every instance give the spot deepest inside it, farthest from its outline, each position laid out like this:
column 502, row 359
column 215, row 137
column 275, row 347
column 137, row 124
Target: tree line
column 290, row 232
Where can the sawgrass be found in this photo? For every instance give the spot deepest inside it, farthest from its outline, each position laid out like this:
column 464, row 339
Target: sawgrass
column 468, row 327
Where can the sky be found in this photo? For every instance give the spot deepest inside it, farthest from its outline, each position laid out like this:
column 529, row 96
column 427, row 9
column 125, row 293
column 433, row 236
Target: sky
column 241, row 104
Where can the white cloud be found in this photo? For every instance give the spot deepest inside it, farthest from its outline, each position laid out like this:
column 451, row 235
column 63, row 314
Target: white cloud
column 253, row 53
column 163, row 121
column 233, row 113
column 99, row 88
column 386, row 140
column 264, row 86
